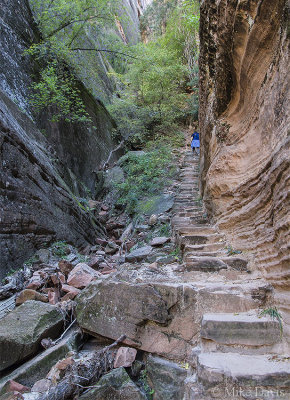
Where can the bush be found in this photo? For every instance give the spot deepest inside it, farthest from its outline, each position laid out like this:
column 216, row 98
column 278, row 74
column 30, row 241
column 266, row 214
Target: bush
column 145, row 175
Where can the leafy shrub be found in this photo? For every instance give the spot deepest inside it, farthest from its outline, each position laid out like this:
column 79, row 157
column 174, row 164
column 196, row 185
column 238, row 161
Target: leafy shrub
column 146, row 175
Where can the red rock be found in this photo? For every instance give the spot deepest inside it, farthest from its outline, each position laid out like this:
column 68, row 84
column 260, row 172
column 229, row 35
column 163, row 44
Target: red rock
column 63, row 364
column 35, row 281
column 104, row 207
column 125, row 357
column 53, row 296
column 129, row 245
column 103, row 213
column 70, row 289
column 102, row 242
column 71, row 292
column 30, row 294
column 81, row 276
column 57, row 278
column 107, row 272
column 17, row 387
column 65, row 267
column 95, row 261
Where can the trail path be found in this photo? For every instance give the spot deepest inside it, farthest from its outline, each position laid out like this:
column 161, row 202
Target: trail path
column 240, row 353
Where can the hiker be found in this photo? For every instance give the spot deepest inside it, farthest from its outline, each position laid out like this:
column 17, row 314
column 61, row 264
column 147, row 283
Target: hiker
column 195, row 142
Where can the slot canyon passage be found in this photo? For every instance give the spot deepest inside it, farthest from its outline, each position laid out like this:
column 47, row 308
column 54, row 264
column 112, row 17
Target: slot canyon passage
column 132, row 265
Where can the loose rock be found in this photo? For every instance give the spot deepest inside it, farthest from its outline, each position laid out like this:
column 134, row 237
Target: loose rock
column 30, row 294
column 22, row 330
column 81, row 276
column 125, row 357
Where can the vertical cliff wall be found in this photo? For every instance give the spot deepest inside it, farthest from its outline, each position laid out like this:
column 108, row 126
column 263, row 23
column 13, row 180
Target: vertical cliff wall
column 244, row 122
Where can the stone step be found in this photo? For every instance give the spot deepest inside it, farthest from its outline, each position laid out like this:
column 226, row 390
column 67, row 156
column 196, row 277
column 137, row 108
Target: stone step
column 232, row 375
column 191, row 239
column 240, row 329
column 188, row 249
column 196, row 221
column 196, row 229
column 238, row 264
column 187, row 209
column 198, row 213
column 204, row 264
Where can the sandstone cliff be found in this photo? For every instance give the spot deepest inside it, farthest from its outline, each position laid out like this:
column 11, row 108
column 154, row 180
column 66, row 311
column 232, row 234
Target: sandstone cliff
column 244, row 123
column 46, row 166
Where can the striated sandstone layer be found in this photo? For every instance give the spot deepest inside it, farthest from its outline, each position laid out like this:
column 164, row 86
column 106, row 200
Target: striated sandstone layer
column 244, row 124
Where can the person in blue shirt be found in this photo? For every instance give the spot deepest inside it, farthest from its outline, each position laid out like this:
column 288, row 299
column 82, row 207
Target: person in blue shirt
column 195, row 144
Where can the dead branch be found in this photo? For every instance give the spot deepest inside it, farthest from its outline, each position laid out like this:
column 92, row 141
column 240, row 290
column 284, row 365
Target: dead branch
column 106, row 163
column 82, row 374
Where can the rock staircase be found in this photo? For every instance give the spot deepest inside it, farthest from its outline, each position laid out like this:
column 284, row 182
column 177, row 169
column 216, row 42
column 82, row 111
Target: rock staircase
column 240, row 354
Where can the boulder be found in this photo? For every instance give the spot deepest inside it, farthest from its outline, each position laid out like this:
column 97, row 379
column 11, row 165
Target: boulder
column 81, row 276
column 36, row 281
column 125, row 357
column 159, row 241
column 166, row 378
column 113, row 176
column 21, row 331
column 41, row 386
column 156, row 205
column 153, row 220
column 70, row 289
column 155, row 317
column 115, row 385
column 30, row 294
column 139, row 254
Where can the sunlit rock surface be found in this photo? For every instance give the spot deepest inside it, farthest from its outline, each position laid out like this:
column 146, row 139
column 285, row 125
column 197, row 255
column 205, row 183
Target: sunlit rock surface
column 244, row 123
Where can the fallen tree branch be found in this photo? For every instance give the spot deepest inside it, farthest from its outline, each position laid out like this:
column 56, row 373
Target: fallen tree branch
column 82, row 374
column 104, row 51
column 106, row 163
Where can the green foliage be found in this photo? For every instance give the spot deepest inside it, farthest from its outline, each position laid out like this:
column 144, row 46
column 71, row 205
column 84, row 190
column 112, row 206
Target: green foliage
column 143, row 380
column 31, row 261
column 164, row 230
column 176, row 253
column 66, row 29
column 231, row 251
column 59, row 249
column 57, row 88
column 274, row 314
column 152, row 98
column 72, row 17
column 145, row 174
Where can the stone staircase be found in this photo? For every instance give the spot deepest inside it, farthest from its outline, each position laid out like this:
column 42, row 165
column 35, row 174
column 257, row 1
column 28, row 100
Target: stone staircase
column 240, row 355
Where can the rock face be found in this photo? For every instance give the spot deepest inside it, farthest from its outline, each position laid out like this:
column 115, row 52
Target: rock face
column 41, row 175
column 244, row 124
column 22, row 330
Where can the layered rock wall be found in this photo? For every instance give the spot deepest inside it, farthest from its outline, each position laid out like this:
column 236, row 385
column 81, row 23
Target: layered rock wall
column 42, row 173
column 244, row 124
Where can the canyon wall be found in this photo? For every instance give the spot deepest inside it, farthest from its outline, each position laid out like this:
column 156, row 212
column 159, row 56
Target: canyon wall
column 46, row 167
column 244, row 125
